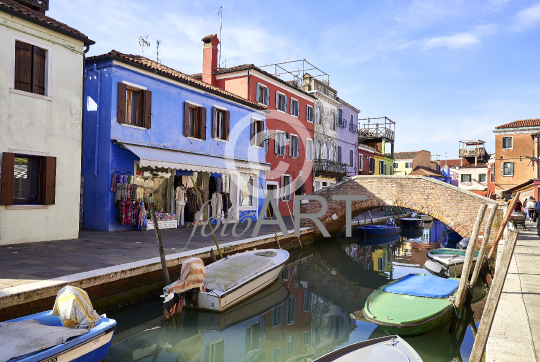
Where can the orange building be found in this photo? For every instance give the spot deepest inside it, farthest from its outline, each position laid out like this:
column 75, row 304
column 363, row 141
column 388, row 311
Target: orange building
column 515, row 144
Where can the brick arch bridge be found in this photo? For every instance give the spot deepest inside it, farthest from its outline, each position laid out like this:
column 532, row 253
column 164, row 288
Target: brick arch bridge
column 453, row 206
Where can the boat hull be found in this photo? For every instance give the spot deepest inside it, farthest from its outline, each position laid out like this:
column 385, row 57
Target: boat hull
column 445, row 258
column 90, row 347
column 379, row 229
column 415, row 315
column 220, row 301
column 410, row 222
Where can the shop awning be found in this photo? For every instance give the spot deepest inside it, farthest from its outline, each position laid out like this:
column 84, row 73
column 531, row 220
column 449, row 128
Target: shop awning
column 157, row 157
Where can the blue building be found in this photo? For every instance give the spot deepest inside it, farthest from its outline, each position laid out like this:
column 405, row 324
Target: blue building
column 151, row 131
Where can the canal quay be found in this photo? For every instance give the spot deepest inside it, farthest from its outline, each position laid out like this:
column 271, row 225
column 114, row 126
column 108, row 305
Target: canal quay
column 315, row 307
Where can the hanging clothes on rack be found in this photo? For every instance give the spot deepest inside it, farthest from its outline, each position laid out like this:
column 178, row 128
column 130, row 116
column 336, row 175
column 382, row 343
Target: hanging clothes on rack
column 180, row 204
column 113, row 182
column 217, row 204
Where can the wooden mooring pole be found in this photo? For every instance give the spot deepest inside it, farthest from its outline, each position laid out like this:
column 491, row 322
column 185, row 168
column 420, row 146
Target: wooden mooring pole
column 503, row 225
column 160, row 244
column 480, row 260
column 494, row 296
column 462, row 289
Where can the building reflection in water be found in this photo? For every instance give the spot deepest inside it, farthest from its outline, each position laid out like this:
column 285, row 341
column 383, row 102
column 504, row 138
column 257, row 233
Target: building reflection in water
column 313, row 309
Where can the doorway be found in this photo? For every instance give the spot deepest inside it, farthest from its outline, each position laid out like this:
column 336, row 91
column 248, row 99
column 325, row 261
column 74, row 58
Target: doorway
column 271, row 191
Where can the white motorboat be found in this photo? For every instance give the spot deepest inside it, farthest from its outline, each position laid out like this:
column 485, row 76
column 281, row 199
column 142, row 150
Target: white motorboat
column 451, row 261
column 230, row 280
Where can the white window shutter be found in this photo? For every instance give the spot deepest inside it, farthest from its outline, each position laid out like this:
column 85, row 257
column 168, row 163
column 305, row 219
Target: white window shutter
column 291, row 141
column 291, row 108
column 258, row 91
column 307, row 112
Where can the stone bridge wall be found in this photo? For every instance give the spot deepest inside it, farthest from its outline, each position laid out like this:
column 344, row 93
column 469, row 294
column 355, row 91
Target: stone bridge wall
column 455, row 207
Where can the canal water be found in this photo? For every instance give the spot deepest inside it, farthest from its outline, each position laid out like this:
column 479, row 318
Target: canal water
column 315, row 307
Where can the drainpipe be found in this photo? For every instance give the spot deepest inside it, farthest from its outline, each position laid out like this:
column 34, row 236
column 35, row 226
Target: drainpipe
column 85, row 50
column 97, row 120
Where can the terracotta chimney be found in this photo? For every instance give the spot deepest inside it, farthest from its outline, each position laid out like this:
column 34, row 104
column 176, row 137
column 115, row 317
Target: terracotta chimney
column 210, row 58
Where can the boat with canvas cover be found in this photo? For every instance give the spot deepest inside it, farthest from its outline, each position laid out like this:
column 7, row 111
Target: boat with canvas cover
column 223, row 283
column 389, row 348
column 450, row 259
column 72, row 331
column 412, row 305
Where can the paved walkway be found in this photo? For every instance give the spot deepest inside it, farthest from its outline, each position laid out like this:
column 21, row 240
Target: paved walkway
column 515, row 334
column 31, row 262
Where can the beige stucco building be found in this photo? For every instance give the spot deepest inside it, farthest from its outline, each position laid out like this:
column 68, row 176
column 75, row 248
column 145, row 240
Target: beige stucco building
column 41, row 94
column 406, row 162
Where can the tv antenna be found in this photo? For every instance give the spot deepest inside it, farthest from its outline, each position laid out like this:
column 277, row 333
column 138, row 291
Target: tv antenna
column 220, row 13
column 158, row 42
column 143, row 42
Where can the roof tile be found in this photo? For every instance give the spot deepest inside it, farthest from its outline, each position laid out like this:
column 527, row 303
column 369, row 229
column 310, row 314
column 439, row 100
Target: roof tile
column 425, row 171
column 10, row 5
column 150, row 64
column 521, row 123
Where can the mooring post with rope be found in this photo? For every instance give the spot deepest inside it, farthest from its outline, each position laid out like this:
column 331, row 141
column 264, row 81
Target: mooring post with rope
column 160, row 245
column 292, row 219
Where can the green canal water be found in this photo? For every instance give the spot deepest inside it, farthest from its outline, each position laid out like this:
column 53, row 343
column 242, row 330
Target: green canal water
column 315, row 307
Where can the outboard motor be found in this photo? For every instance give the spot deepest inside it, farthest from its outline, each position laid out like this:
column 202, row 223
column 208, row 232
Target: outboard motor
column 463, row 243
column 391, row 222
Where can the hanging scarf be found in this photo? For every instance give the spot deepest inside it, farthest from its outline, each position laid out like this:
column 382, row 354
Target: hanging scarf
column 113, row 183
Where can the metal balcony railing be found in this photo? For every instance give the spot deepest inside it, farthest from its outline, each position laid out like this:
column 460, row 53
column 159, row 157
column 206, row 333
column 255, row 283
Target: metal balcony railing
column 329, row 167
column 376, row 129
column 342, row 122
column 353, row 127
column 472, row 152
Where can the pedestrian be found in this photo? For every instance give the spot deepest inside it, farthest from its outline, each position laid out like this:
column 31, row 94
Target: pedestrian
column 530, row 208
column 536, row 218
column 518, row 206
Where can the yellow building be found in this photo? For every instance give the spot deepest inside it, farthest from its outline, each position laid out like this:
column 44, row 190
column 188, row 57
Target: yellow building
column 406, row 162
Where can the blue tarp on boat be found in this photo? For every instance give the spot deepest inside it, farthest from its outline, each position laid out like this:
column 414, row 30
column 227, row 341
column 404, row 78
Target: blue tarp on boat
column 429, row 286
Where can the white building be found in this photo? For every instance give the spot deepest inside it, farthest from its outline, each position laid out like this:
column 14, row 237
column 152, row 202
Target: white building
column 41, row 94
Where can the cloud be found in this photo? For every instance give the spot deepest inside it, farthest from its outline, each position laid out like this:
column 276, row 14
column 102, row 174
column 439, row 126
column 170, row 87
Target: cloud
column 527, row 18
column 459, row 40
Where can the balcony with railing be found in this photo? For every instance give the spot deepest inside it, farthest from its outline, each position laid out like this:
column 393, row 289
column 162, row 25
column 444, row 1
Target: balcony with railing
column 353, row 127
column 329, row 168
column 376, row 129
column 342, row 122
column 472, row 148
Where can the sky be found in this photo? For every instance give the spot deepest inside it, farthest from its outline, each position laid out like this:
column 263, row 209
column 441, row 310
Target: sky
column 444, row 71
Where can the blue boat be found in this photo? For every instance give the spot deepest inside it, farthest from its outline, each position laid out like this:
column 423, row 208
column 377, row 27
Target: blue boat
column 42, row 337
column 378, row 239
column 379, row 229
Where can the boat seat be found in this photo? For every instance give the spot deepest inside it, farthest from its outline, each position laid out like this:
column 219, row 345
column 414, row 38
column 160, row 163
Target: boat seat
column 429, row 286
column 234, row 270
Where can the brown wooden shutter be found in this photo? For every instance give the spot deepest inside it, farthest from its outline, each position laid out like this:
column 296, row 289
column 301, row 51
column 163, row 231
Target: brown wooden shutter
column 252, row 133
column 38, row 71
column 276, row 143
column 121, row 103
column 227, row 118
column 49, row 181
column 8, row 170
column 147, row 109
column 186, row 119
column 214, row 122
column 203, row 123
column 23, row 66
column 261, row 133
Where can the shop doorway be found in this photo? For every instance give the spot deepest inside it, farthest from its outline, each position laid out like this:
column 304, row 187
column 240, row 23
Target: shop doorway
column 271, row 191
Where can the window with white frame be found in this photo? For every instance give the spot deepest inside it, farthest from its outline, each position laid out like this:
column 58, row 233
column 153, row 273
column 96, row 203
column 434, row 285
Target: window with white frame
column 263, row 94
column 508, row 142
column 281, row 102
column 310, row 116
column 286, row 188
column 309, row 149
column 280, row 143
column 465, row 177
column 351, row 158
column 295, row 107
column 360, row 162
column 507, row 168
column 266, row 140
column 482, row 177
column 294, row 146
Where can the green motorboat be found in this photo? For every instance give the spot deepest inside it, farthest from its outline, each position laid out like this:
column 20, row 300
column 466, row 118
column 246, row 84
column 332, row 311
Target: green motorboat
column 412, row 305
